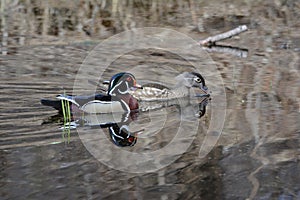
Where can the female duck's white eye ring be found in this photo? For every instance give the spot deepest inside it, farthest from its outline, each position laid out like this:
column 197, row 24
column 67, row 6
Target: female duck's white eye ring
column 197, row 79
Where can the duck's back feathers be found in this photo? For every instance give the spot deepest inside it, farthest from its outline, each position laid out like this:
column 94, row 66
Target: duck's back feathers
column 78, row 101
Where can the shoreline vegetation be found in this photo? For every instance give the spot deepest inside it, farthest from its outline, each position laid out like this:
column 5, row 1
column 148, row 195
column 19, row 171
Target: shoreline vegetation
column 28, row 22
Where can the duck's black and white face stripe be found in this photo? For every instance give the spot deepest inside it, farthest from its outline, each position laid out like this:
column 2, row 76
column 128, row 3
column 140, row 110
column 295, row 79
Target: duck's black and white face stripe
column 121, row 83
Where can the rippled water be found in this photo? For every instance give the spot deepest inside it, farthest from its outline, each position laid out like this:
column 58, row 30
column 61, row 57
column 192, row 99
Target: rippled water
column 256, row 157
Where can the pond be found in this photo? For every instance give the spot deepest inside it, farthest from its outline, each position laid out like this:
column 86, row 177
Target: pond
column 256, row 96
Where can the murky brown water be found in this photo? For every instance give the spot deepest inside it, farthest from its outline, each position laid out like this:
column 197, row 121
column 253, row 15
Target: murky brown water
column 256, row 157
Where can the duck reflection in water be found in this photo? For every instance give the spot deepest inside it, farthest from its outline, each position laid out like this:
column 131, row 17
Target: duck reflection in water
column 117, row 125
column 121, row 135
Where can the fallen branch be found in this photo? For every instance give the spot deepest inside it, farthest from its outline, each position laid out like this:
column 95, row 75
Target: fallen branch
column 212, row 40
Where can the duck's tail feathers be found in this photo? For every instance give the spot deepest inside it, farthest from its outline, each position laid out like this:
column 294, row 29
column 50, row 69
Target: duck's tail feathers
column 52, row 103
column 57, row 104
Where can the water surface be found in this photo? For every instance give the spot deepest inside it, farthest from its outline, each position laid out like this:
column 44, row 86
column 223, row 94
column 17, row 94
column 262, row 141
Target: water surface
column 256, row 157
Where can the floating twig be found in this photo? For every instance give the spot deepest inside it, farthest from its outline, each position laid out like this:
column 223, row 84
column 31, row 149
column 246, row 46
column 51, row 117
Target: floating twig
column 212, row 40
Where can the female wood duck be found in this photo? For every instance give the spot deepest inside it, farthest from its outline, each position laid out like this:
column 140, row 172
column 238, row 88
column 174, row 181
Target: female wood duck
column 185, row 81
column 117, row 99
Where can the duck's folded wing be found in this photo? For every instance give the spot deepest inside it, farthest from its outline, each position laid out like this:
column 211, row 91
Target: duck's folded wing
column 82, row 100
column 150, row 94
column 67, row 98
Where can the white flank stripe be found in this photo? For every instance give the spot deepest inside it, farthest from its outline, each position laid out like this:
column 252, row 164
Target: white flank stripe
column 114, row 87
column 113, row 132
column 68, row 98
column 126, row 91
column 128, row 109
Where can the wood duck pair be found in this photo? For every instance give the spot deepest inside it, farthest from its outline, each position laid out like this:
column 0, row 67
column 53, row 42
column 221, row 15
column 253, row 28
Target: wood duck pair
column 123, row 94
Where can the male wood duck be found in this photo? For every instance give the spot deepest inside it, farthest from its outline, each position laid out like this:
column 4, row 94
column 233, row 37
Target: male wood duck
column 117, row 99
column 185, row 81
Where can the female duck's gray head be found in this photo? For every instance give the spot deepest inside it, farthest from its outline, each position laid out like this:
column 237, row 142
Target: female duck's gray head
column 192, row 79
column 121, row 83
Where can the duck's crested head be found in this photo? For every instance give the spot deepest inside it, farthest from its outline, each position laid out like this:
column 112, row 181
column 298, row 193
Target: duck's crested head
column 121, row 83
column 192, row 79
column 121, row 136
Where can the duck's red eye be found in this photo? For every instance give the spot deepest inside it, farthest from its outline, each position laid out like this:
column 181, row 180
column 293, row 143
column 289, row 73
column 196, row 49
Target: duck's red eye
column 128, row 79
column 130, row 139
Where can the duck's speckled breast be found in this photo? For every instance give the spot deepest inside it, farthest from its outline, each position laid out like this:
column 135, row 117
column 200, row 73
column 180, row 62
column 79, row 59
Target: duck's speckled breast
column 131, row 102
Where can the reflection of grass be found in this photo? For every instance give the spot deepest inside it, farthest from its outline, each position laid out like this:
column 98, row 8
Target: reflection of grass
column 67, row 119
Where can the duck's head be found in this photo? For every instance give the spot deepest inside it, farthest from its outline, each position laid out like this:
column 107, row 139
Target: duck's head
column 192, row 79
column 121, row 136
column 121, row 83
